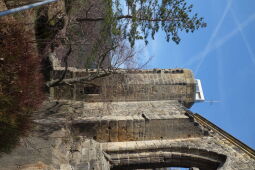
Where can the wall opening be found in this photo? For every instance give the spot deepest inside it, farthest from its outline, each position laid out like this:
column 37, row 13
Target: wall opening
column 91, row 89
column 156, row 168
column 177, row 158
column 177, row 168
column 199, row 92
column 170, row 168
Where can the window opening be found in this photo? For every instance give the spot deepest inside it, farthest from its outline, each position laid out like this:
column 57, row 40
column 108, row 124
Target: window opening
column 199, row 91
column 178, row 168
column 93, row 89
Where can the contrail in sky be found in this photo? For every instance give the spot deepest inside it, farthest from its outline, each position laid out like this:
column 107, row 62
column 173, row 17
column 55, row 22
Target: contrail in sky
column 240, row 29
column 234, row 32
column 208, row 47
column 227, row 37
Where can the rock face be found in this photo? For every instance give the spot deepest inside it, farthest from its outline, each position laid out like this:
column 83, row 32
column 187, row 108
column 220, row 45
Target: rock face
column 130, row 120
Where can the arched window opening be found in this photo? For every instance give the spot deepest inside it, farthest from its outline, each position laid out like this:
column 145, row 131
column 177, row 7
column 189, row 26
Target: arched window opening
column 173, row 158
column 168, row 168
column 177, row 168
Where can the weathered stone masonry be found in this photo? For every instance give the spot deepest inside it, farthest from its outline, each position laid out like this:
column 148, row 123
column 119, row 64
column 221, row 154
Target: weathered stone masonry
column 136, row 85
column 134, row 120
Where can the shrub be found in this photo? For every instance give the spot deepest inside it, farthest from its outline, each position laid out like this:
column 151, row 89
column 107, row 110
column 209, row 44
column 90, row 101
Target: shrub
column 21, row 83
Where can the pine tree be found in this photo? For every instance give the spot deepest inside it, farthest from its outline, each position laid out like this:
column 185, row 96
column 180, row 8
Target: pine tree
column 139, row 19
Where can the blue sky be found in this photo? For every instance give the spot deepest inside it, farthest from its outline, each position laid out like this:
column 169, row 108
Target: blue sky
column 223, row 57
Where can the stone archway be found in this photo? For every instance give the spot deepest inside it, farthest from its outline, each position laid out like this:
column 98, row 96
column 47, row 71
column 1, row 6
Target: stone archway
column 142, row 157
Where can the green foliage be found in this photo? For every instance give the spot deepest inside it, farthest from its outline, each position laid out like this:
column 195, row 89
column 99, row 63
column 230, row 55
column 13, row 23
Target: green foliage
column 144, row 18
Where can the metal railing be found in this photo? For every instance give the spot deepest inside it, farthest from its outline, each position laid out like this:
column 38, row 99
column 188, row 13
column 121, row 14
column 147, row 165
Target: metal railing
column 25, row 7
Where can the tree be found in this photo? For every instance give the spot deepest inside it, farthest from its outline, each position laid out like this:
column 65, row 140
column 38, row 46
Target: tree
column 121, row 55
column 145, row 17
column 141, row 19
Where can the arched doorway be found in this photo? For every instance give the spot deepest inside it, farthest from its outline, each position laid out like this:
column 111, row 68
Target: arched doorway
column 153, row 158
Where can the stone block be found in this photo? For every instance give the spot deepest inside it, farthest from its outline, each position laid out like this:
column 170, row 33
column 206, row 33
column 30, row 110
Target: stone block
column 104, row 131
column 113, row 131
column 130, row 133
column 122, row 130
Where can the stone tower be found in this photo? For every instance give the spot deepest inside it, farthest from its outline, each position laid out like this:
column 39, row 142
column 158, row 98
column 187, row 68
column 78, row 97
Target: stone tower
column 129, row 120
column 132, row 85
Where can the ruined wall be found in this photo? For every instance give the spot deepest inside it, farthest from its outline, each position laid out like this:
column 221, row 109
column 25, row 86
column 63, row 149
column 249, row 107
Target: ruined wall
column 59, row 142
column 146, row 127
column 52, row 146
column 140, row 85
column 134, row 121
column 206, row 153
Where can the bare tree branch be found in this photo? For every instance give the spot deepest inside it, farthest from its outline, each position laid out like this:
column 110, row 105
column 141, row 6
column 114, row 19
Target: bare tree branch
column 79, row 79
column 56, row 82
column 120, row 54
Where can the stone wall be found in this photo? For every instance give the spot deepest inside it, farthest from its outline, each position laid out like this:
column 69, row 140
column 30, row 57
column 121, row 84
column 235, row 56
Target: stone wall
column 139, row 85
column 194, row 152
column 56, row 145
column 134, row 121
column 139, row 129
